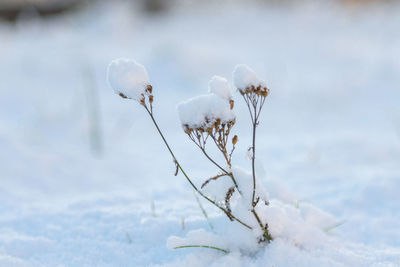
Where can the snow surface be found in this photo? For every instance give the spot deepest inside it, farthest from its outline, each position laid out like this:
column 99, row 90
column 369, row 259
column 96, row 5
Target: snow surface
column 128, row 78
column 81, row 187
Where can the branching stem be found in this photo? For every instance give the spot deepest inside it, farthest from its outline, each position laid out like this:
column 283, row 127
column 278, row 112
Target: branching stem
column 150, row 112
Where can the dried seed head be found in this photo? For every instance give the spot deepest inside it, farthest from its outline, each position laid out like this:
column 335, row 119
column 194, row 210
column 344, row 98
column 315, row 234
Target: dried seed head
column 127, row 77
column 151, row 98
column 142, row 101
column 234, row 139
column 122, row 95
column 266, row 92
column 149, row 89
column 231, row 103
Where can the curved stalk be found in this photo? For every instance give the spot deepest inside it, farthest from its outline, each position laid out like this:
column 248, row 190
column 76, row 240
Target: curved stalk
column 187, row 177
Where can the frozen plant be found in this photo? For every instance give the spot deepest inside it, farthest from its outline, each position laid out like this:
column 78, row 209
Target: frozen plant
column 209, row 119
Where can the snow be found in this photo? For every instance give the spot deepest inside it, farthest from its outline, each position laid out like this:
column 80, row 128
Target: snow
column 198, row 237
column 245, row 183
column 217, row 189
column 328, row 144
column 204, row 110
column 127, row 77
column 220, row 86
column 244, row 76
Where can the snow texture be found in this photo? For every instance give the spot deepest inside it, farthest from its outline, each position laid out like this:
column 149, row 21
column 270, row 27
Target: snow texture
column 202, row 111
column 244, row 76
column 220, row 86
column 245, row 183
column 127, row 77
column 329, row 138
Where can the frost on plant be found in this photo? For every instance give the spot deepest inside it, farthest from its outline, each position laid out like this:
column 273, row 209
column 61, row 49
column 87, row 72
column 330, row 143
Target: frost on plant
column 208, row 120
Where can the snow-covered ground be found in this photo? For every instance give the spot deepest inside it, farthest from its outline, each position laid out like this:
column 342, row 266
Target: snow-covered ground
column 85, row 179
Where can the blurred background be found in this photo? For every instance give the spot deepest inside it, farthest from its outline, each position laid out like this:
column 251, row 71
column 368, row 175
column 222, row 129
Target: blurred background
column 330, row 132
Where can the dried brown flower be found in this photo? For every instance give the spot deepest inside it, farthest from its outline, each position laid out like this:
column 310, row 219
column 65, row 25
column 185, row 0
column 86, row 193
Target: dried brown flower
column 234, row 139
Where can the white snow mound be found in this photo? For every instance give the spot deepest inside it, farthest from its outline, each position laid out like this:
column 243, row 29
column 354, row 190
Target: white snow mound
column 220, row 86
column 244, row 76
column 128, row 77
column 202, row 111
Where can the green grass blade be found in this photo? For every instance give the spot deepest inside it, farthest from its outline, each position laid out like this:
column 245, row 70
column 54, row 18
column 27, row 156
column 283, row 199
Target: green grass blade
column 201, row 246
column 328, row 229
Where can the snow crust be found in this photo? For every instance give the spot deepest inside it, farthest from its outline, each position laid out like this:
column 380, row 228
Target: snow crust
column 220, row 86
column 127, row 77
column 202, row 111
column 244, row 76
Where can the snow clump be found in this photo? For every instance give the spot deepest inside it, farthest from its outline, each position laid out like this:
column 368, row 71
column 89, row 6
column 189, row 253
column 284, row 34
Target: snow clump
column 244, row 77
column 128, row 78
column 203, row 111
column 220, row 86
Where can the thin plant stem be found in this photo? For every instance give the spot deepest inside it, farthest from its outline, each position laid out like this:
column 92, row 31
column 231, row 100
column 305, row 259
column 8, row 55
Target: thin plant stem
column 254, row 114
column 267, row 236
column 199, row 145
column 187, row 177
column 213, row 161
column 253, row 158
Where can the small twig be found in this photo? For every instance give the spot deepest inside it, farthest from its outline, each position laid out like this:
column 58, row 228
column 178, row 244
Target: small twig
column 177, row 169
column 266, row 234
column 228, row 196
column 213, row 179
column 210, row 159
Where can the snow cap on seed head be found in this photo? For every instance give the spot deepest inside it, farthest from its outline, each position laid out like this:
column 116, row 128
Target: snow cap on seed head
column 220, row 86
column 203, row 111
column 244, row 77
column 128, row 78
column 206, row 111
column 248, row 83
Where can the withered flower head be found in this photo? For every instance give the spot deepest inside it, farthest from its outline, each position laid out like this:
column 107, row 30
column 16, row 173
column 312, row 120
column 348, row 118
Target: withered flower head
column 205, row 113
column 248, row 83
column 234, row 139
column 128, row 78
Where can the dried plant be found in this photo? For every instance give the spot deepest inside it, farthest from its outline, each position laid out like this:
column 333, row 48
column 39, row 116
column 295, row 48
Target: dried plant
column 214, row 127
